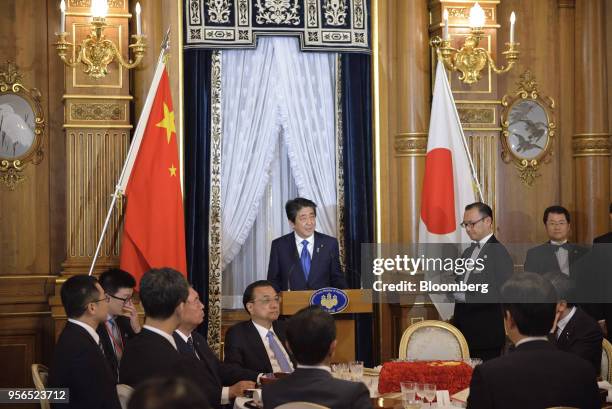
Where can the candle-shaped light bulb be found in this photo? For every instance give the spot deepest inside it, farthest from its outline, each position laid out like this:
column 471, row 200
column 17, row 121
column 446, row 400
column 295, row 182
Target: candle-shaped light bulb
column 63, row 16
column 477, row 16
column 99, row 8
column 512, row 21
column 445, row 35
column 138, row 21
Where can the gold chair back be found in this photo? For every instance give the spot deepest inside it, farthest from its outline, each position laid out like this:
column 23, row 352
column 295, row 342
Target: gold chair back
column 39, row 376
column 606, row 360
column 416, row 344
column 301, row 405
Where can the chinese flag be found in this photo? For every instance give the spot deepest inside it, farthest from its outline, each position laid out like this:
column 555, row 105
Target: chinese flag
column 154, row 228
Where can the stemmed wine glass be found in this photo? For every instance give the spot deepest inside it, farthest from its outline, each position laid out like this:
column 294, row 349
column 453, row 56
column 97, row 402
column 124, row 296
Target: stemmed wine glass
column 429, row 393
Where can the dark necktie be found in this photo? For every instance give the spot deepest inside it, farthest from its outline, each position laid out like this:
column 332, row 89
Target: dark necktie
column 191, row 346
column 305, row 259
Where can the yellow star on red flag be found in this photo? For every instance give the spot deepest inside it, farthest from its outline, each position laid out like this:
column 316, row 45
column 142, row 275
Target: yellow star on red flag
column 172, row 170
column 167, row 122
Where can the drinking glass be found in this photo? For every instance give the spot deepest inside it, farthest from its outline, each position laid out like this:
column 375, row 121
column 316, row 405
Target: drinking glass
column 408, row 395
column 429, row 392
column 356, row 369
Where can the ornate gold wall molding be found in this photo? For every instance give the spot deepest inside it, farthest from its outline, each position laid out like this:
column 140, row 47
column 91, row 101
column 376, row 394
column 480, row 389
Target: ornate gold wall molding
column 98, row 112
column 214, row 232
column 591, row 144
column 87, row 3
column 477, row 116
column 410, row 144
column 339, row 163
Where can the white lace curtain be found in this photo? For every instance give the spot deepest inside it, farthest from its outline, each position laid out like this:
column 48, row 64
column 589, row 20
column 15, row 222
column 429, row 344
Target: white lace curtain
column 278, row 142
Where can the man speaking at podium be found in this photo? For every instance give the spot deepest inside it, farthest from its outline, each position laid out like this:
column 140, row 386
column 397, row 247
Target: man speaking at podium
column 304, row 259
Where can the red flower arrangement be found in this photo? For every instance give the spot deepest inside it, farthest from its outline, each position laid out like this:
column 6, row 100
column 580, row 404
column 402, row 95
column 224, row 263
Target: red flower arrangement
column 453, row 376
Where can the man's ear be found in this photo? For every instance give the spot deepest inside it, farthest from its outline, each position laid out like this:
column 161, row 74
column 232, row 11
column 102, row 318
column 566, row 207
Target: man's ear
column 332, row 348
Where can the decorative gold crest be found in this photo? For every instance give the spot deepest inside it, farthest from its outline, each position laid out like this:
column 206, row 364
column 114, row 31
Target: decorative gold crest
column 22, row 126
column 528, row 128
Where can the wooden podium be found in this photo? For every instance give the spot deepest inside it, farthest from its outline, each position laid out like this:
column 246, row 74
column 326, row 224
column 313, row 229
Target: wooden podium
column 360, row 302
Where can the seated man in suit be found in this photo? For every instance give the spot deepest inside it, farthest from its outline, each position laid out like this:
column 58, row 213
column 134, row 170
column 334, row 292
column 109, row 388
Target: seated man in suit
column 600, row 263
column 477, row 315
column 193, row 345
column 557, row 254
column 576, row 332
column 311, row 335
column 536, row 374
column 304, row 259
column 78, row 360
column 122, row 322
column 257, row 344
column 153, row 352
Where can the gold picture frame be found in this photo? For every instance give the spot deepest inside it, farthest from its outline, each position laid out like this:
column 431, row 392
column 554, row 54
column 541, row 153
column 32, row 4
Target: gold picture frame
column 22, row 126
column 528, row 128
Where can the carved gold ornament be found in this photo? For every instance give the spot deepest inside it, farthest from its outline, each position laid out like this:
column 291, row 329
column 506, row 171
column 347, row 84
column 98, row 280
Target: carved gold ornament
column 96, row 51
column 22, row 126
column 471, row 59
column 528, row 128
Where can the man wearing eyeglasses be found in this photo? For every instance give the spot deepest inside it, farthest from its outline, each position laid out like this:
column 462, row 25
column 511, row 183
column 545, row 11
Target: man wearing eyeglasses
column 557, row 254
column 78, row 360
column 122, row 322
column 478, row 315
column 258, row 344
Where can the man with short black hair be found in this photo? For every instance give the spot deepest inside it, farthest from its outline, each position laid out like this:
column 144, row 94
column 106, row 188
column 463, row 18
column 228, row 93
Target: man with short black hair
column 78, row 360
column 311, row 335
column 153, row 352
column 535, row 375
column 601, row 269
column 122, row 322
column 194, row 346
column 304, row 259
column 258, row 344
column 476, row 314
column 557, row 254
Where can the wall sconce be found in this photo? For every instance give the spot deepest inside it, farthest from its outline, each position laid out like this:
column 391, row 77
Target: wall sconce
column 470, row 59
column 96, row 52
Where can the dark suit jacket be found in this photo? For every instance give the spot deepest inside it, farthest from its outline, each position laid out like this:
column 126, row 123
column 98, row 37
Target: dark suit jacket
column 150, row 355
column 285, row 268
column 316, row 386
column 543, row 259
column 244, row 347
column 216, row 373
column 601, row 283
column 126, row 332
column 78, row 364
column 583, row 337
column 535, row 375
column 480, row 318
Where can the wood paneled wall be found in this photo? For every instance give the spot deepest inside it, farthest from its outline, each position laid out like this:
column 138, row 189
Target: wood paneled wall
column 33, row 218
column 564, row 44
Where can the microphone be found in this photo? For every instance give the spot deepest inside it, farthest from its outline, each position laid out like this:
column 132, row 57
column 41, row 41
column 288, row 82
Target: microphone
column 289, row 276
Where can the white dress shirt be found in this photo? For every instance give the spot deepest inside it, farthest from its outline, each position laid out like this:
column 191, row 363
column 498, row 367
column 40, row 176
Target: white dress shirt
column 529, row 339
column 322, row 367
column 92, row 332
column 263, row 332
column 562, row 257
column 163, row 334
column 225, row 389
column 460, row 296
column 562, row 323
column 299, row 240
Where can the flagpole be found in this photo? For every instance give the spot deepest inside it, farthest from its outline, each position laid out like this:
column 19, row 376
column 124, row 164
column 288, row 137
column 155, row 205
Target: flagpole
column 129, row 161
column 464, row 142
